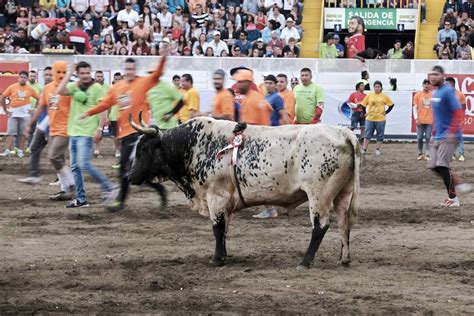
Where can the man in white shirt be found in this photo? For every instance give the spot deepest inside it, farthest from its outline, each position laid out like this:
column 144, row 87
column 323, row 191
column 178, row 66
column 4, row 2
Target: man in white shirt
column 289, row 32
column 275, row 15
column 270, row 3
column 217, row 45
column 128, row 15
column 165, row 17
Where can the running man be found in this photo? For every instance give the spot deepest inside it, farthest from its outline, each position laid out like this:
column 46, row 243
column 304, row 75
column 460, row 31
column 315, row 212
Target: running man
column 462, row 99
column 130, row 95
column 278, row 117
column 423, row 115
column 358, row 111
column 287, row 96
column 309, row 99
column 99, row 79
column 19, row 116
column 40, row 139
column 85, row 95
column 448, row 115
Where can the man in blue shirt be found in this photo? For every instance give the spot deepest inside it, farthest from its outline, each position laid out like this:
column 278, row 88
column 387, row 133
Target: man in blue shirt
column 244, row 45
column 447, row 115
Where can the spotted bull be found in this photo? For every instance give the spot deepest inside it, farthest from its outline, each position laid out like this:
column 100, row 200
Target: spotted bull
column 284, row 166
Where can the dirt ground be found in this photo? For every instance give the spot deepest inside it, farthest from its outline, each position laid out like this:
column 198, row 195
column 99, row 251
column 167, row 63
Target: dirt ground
column 409, row 256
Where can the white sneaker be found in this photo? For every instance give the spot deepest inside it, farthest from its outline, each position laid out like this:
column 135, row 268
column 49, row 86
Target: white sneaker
column 6, row 153
column 463, row 188
column 451, row 202
column 55, row 183
column 30, row 180
column 20, row 153
column 117, row 154
column 378, row 152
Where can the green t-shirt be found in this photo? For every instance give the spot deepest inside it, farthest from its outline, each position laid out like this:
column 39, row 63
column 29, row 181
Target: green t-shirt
column 326, row 51
column 162, row 99
column 103, row 88
column 392, row 54
column 83, row 101
column 306, row 99
column 38, row 88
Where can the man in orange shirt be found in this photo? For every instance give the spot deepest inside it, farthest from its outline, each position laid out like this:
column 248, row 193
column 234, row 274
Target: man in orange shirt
column 423, row 115
column 223, row 107
column 19, row 116
column 287, row 96
column 462, row 99
column 130, row 95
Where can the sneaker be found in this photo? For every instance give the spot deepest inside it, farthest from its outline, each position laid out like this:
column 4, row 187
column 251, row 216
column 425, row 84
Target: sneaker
column 115, row 206
column 75, row 204
column 451, row 202
column 117, row 154
column 423, row 22
column 30, row 180
column 117, row 166
column 461, row 158
column 427, row 158
column 15, row 151
column 420, row 157
column 28, row 151
column 6, row 153
column 109, row 197
column 378, row 152
column 56, row 182
column 61, row 196
column 266, row 214
column 20, row 153
column 463, row 188
column 97, row 154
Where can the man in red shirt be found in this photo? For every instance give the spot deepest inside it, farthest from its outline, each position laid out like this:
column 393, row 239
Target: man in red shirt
column 356, row 42
column 357, row 111
column 79, row 39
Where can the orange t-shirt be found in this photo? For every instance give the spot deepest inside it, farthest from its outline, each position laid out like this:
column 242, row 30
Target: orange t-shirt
column 254, row 109
column 289, row 101
column 58, row 109
column 131, row 98
column 20, row 95
column 422, row 102
column 223, row 104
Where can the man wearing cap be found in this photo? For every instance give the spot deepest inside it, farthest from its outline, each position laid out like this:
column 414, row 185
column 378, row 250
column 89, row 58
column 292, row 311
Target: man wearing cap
column 217, row 45
column 339, row 47
column 447, row 122
column 260, row 45
column 275, row 40
column 423, row 115
column 289, row 32
column 223, row 103
column 309, row 99
column 463, row 47
column 128, row 15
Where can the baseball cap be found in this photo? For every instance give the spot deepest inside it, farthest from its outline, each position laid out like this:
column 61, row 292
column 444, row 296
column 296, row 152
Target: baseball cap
column 220, row 72
column 166, row 40
column 274, row 32
column 234, row 70
column 270, row 78
column 290, row 20
column 260, row 39
column 217, row 33
column 243, row 75
column 128, row 3
column 336, row 36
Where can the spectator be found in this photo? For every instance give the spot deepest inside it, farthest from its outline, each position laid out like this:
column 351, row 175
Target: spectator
column 449, row 17
column 269, row 4
column 275, row 40
column 409, row 51
column 252, row 7
column 128, row 15
column 277, row 52
column 57, row 39
column 236, row 52
column 49, row 6
column 244, row 45
column 140, row 46
column 178, row 15
column 106, row 28
column 231, row 15
column 96, row 42
column 165, row 17
column 267, row 31
column 22, row 20
column 213, row 6
column 177, row 30
column 219, row 21
column 229, row 34
column 252, row 33
column 98, row 9
column 423, row 115
column 463, row 47
column 182, row 43
column 256, row 53
column 157, row 32
column 469, row 8
column 261, row 20
column 72, row 24
column 140, row 31
column 393, row 84
column 339, row 47
column 396, row 52
column 123, row 43
column 63, row 9
column 370, row 53
column 277, row 17
column 192, row 4
column 79, row 8
column 200, row 16
column 194, row 30
column 209, row 30
column 108, row 44
column 291, row 50
column 147, row 16
column 463, row 19
column 463, row 30
column 88, row 24
column 450, row 5
column 217, row 45
column 260, row 45
column 289, row 32
column 198, row 51
column 328, row 48
column 446, row 51
column 21, row 40
column 79, row 39
column 446, row 33
column 174, row 5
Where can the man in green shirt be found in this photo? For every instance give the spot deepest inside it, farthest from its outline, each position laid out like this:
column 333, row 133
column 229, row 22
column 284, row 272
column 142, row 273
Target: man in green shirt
column 309, row 99
column 328, row 48
column 162, row 99
column 85, row 95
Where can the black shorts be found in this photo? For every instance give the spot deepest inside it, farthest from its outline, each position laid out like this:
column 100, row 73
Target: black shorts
column 113, row 129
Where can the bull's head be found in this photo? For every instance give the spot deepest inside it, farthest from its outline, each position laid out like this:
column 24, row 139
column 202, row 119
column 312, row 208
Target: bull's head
column 149, row 161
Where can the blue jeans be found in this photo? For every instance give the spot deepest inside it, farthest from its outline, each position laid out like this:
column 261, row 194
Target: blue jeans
column 80, row 151
column 371, row 127
column 357, row 119
column 461, row 147
column 423, row 130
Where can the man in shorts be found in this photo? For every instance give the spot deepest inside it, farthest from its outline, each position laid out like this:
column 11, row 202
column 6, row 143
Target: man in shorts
column 358, row 111
column 19, row 116
column 448, row 115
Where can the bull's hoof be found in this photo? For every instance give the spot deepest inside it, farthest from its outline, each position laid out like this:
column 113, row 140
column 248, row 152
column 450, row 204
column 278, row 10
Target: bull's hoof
column 218, row 262
column 304, row 265
column 345, row 262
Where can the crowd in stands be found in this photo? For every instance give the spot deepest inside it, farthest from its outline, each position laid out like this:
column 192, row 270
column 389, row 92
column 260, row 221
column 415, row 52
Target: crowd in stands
column 235, row 28
column 455, row 37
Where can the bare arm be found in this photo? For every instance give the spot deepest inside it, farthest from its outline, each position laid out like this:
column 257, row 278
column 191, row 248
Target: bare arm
column 284, row 119
column 39, row 110
column 62, row 90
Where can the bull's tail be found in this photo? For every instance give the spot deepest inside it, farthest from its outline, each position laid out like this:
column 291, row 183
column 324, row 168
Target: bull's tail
column 354, row 204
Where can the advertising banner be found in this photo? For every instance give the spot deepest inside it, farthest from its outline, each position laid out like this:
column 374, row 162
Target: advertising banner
column 9, row 75
column 374, row 19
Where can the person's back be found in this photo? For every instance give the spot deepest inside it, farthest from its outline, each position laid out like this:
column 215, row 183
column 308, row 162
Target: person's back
column 276, row 102
column 444, row 104
column 254, row 109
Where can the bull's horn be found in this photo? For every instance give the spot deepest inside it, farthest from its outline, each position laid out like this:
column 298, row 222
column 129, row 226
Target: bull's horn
column 140, row 118
column 142, row 129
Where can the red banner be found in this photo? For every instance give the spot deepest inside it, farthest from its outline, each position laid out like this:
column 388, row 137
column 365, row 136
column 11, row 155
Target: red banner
column 465, row 84
column 9, row 75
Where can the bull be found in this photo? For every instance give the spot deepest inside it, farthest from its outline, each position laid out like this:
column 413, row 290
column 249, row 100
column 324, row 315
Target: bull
column 283, row 166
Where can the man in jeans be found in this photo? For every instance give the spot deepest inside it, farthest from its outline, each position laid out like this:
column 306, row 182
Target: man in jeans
column 423, row 115
column 85, row 95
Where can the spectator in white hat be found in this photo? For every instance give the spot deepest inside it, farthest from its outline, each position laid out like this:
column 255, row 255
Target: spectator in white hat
column 217, row 45
column 289, row 32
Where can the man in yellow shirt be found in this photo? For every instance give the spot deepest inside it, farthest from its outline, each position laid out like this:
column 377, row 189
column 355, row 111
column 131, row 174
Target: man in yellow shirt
column 377, row 105
column 192, row 101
